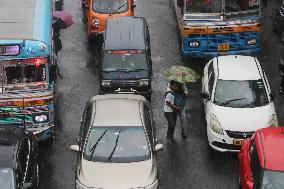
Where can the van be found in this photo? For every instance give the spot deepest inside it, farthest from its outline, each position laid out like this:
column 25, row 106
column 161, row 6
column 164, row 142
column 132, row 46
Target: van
column 126, row 56
column 98, row 11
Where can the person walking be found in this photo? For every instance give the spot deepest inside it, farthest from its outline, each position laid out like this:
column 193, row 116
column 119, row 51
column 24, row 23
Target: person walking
column 180, row 101
column 170, row 110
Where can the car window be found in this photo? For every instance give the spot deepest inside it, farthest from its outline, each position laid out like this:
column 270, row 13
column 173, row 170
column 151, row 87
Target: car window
column 211, row 82
column 7, row 178
column 255, row 165
column 117, row 144
column 86, row 121
column 110, row 6
column 148, row 124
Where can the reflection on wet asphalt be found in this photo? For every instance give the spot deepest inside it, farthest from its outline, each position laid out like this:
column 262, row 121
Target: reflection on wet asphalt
column 188, row 164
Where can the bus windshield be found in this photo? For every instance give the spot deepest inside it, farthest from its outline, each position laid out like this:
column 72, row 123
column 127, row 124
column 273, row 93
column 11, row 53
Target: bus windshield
column 204, row 6
column 24, row 73
column 241, row 5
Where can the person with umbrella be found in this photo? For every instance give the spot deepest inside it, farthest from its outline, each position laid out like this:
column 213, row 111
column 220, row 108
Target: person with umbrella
column 180, row 75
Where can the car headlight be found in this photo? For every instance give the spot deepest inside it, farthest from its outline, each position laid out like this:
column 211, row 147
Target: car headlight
column 273, row 120
column 40, row 118
column 215, row 125
column 80, row 186
column 194, row 44
column 96, row 22
column 154, row 185
column 106, row 82
column 251, row 41
column 143, row 82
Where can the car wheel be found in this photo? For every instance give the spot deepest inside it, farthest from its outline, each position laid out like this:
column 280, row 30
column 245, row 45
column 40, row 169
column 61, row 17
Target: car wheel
column 35, row 176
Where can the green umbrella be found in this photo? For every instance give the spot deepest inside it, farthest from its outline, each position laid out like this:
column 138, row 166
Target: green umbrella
column 181, row 74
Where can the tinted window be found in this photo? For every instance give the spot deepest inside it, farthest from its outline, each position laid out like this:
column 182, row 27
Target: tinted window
column 110, row 6
column 198, row 6
column 24, row 73
column 148, row 123
column 124, row 62
column 117, row 144
column 240, row 94
column 7, row 179
column 241, row 5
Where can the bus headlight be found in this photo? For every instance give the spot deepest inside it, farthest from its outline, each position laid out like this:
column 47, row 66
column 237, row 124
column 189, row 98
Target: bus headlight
column 194, row 44
column 106, row 83
column 96, row 22
column 40, row 118
column 143, row 82
column 251, row 41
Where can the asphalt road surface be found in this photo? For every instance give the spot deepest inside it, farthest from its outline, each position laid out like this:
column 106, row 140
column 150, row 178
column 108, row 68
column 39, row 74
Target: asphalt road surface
column 187, row 164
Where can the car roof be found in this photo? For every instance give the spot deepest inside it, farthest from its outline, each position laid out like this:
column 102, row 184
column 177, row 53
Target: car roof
column 125, row 33
column 237, row 67
column 270, row 142
column 9, row 137
column 118, row 110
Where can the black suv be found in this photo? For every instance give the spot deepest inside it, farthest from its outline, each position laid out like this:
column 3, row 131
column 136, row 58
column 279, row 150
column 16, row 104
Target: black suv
column 126, row 56
column 19, row 164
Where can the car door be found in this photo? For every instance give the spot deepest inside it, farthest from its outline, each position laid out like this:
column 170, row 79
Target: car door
column 244, row 163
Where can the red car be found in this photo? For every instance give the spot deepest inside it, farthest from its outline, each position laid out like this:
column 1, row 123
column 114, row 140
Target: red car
column 262, row 160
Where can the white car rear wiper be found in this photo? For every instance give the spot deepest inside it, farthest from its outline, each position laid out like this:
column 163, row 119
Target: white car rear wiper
column 95, row 145
column 116, row 141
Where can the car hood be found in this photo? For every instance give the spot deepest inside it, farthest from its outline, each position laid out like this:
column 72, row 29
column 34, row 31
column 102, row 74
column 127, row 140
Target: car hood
column 243, row 119
column 120, row 175
column 125, row 75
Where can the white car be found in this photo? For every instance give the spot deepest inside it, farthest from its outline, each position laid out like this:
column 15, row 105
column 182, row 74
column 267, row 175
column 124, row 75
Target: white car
column 117, row 144
column 237, row 101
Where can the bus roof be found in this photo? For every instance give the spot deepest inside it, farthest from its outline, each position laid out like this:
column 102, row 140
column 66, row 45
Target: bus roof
column 28, row 19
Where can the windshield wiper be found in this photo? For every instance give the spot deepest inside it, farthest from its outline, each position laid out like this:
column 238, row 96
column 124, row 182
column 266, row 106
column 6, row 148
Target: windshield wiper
column 116, row 141
column 232, row 100
column 95, row 145
column 119, row 8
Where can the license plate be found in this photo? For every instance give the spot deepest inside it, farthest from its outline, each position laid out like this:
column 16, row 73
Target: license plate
column 238, row 142
column 223, row 47
column 2, row 50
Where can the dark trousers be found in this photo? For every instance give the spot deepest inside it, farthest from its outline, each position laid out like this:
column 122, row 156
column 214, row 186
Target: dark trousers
column 171, row 118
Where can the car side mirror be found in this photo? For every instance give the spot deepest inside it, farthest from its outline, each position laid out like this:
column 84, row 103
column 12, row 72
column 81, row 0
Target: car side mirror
column 272, row 95
column 205, row 95
column 249, row 184
column 27, row 185
column 158, row 147
column 133, row 7
column 74, row 148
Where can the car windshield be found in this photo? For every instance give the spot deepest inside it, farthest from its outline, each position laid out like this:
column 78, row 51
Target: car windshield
column 240, row 94
column 24, row 73
column 129, row 62
column 241, row 5
column 7, row 179
column 110, row 6
column 117, row 144
column 272, row 180
column 204, row 6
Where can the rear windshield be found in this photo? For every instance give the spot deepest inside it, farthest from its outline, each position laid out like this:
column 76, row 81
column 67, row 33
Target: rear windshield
column 117, row 144
column 124, row 60
column 110, row 6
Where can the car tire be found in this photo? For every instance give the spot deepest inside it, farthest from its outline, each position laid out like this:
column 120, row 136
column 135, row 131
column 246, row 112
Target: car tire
column 35, row 176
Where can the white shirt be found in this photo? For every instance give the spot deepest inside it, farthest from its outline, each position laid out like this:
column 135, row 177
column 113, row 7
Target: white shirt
column 169, row 98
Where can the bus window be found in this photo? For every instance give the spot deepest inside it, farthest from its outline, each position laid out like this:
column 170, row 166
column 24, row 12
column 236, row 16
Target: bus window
column 204, row 6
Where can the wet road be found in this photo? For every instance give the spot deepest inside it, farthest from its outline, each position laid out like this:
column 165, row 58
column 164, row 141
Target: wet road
column 188, row 164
